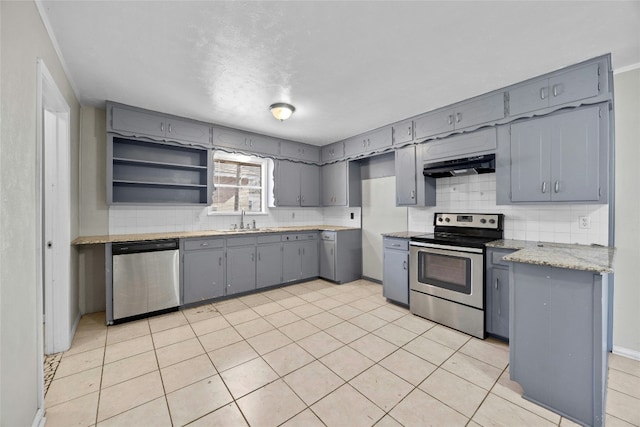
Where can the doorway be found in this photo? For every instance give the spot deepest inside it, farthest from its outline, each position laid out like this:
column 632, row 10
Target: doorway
column 54, row 219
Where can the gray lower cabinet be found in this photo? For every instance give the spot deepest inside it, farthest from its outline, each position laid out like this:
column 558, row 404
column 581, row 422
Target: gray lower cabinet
column 341, row 184
column 203, row 269
column 561, row 158
column 395, row 269
column 413, row 188
column 341, row 255
column 558, row 339
column 296, row 184
column 300, row 256
column 497, row 293
column 241, row 264
column 269, row 263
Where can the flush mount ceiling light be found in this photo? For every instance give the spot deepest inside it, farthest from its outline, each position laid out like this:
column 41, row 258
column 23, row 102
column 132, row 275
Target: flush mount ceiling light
column 281, row 110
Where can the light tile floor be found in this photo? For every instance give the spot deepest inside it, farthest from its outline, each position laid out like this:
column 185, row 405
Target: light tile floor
column 310, row 354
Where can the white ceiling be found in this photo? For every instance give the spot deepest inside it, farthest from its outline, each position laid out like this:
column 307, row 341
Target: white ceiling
column 347, row 66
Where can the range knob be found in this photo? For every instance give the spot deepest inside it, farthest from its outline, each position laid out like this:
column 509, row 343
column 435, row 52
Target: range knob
column 439, row 219
column 492, row 221
column 483, row 221
column 447, row 220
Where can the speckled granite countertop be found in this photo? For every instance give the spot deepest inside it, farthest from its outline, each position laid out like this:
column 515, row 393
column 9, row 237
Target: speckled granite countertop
column 113, row 238
column 403, row 234
column 598, row 259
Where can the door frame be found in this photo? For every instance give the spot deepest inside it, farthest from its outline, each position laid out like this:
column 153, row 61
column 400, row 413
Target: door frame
column 56, row 305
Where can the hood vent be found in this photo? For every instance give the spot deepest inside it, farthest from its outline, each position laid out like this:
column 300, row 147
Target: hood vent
column 459, row 167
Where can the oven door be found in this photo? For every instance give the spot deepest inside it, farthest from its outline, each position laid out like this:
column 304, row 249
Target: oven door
column 449, row 272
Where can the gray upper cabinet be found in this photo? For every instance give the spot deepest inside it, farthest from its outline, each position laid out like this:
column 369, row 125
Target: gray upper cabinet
column 560, row 158
column 405, row 163
column 484, row 109
column 402, row 132
column 245, row 142
column 296, row 184
column 457, row 146
column 341, row 184
column 332, row 152
column 132, row 121
column 564, row 87
column 367, row 143
column 298, row 151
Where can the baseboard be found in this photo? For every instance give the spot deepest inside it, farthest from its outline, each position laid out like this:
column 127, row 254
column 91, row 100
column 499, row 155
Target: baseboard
column 626, row 352
column 39, row 420
column 370, row 279
column 72, row 332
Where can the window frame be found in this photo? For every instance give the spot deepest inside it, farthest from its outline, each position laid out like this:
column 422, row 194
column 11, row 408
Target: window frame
column 217, row 155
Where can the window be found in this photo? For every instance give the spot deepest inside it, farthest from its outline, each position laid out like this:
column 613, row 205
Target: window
column 239, row 182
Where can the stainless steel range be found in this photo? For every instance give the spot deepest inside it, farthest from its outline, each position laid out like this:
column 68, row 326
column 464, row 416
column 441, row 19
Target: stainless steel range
column 446, row 275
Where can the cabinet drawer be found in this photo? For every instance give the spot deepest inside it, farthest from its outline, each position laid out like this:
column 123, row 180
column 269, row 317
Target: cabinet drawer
column 399, row 244
column 328, row 235
column 269, row 238
column 299, row 236
column 241, row 241
column 196, row 244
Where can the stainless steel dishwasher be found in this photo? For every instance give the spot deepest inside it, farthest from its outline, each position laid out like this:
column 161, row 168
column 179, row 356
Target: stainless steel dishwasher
column 146, row 277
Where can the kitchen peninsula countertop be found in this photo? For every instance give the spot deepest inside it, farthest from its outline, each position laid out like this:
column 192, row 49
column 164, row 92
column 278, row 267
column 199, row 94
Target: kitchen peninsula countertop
column 114, row 238
column 594, row 258
column 403, row 234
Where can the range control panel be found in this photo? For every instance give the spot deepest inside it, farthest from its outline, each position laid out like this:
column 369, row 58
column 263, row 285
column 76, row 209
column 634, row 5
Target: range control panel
column 490, row 221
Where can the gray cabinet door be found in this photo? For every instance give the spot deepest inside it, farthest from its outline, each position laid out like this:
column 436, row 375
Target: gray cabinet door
column 136, row 122
column 328, row 259
column 402, row 132
column 184, row 130
column 269, row 265
column 395, row 276
column 498, row 302
column 573, row 85
column 298, row 151
column 203, row 275
column 529, row 96
column 262, row 144
column 309, row 185
column 406, row 176
column 332, row 152
column 241, row 269
column 226, row 137
column 485, row 109
column 353, row 146
column 287, row 183
column 531, row 161
column 575, row 156
column 291, row 264
column 334, row 184
column 433, row 123
column 309, row 259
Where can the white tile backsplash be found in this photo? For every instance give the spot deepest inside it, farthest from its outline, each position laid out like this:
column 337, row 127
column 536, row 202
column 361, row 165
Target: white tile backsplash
column 152, row 219
column 543, row 222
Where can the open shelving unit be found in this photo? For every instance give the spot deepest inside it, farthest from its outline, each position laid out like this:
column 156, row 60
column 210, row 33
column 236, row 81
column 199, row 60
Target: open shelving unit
column 158, row 173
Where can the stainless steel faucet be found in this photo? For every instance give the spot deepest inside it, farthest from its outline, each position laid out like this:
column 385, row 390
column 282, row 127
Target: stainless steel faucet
column 242, row 219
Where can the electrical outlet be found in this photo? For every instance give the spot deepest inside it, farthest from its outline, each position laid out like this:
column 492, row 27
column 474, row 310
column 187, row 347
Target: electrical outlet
column 584, row 222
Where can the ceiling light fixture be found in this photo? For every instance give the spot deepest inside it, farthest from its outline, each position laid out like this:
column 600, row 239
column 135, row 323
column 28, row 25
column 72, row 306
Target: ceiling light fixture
column 281, row 110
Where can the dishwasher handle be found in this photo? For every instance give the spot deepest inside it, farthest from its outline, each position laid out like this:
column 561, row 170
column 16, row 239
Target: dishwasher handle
column 144, row 246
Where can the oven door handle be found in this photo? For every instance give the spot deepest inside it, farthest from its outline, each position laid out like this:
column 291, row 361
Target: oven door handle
column 446, row 247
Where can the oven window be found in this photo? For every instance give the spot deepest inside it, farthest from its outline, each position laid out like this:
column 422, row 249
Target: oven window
column 445, row 271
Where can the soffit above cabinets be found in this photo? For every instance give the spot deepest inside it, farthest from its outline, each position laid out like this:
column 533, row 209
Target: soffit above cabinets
column 348, row 67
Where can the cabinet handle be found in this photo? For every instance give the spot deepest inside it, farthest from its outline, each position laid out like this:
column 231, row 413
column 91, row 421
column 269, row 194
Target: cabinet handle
column 331, row 251
column 169, row 128
column 298, row 199
column 253, row 257
column 450, row 119
column 458, row 117
column 396, row 245
column 298, row 251
column 161, row 127
column 302, row 199
column 220, row 261
column 497, row 280
column 259, row 257
column 409, row 131
column 555, row 90
column 204, row 244
column 556, row 187
column 404, row 265
column 544, row 187
column 413, row 194
column 543, row 95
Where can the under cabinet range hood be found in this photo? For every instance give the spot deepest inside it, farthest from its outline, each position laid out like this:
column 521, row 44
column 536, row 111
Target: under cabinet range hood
column 485, row 163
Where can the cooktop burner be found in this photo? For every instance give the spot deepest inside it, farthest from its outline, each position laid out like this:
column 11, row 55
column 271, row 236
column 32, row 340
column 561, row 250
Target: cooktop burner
column 470, row 230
